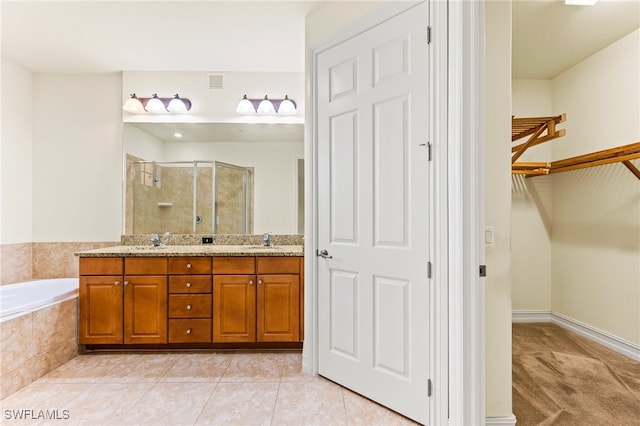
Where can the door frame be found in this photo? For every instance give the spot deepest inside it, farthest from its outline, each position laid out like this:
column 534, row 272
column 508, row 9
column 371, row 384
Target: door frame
column 457, row 204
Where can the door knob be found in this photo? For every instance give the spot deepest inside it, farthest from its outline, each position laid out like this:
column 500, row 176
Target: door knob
column 324, row 254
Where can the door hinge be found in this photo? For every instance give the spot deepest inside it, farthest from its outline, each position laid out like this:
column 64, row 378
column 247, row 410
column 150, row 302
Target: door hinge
column 429, row 151
column 483, row 270
column 429, row 35
column 428, row 269
column 429, row 387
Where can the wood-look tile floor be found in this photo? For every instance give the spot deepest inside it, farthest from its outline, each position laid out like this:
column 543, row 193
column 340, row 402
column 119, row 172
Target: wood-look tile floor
column 190, row 389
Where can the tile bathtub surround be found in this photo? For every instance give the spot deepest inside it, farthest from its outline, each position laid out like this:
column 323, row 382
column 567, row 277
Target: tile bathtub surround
column 36, row 343
column 196, row 389
column 15, row 263
column 57, row 260
column 29, row 261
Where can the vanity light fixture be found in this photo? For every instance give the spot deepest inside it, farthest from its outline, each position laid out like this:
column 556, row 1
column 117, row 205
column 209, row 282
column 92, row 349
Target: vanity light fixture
column 133, row 105
column 156, row 105
column 177, row 104
column 580, row 2
column 266, row 106
column 287, row 107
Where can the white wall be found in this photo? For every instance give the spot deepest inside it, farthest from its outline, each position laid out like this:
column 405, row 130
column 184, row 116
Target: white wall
column 531, row 207
column 601, row 96
column 596, row 211
column 77, row 157
column 16, row 152
column 498, row 207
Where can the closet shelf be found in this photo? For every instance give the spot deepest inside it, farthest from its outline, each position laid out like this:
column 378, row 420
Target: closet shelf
column 621, row 154
column 543, row 129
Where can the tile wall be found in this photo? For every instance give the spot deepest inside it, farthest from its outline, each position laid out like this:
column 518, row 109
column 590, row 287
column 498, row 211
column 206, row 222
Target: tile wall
column 36, row 343
column 29, row 261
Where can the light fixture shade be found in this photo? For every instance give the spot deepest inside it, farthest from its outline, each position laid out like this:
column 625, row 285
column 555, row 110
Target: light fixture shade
column 245, row 106
column 133, row 105
column 287, row 106
column 178, row 104
column 266, row 107
column 155, row 105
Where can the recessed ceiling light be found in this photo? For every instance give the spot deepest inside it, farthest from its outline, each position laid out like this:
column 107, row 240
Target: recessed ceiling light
column 177, row 135
column 580, row 2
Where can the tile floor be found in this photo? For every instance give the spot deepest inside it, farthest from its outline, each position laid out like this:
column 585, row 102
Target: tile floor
column 190, row 389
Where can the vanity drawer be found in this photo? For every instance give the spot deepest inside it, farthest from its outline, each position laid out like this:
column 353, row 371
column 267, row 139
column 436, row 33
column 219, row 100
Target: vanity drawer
column 190, row 284
column 190, row 306
column 189, row 265
column 145, row 265
column 234, row 265
column 279, row 265
column 189, row 330
column 101, row 266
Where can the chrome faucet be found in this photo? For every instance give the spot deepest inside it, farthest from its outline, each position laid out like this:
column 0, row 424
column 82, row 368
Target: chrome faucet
column 157, row 241
column 266, row 239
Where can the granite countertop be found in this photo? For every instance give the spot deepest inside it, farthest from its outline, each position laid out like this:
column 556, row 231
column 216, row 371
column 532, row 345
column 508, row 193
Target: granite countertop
column 193, row 250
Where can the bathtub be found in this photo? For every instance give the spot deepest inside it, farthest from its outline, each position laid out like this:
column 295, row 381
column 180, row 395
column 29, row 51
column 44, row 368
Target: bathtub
column 30, row 295
column 38, row 330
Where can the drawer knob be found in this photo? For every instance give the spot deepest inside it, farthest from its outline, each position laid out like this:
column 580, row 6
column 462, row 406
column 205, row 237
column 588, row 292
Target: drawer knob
column 188, row 285
column 188, row 331
column 188, row 307
column 188, row 266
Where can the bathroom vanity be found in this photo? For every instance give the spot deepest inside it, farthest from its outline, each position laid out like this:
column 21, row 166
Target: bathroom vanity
column 191, row 297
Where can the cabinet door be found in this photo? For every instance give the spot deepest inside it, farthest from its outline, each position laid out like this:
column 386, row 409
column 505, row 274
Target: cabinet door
column 278, row 308
column 145, row 309
column 101, row 309
column 234, row 308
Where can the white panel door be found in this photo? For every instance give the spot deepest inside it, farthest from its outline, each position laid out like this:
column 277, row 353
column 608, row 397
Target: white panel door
column 373, row 213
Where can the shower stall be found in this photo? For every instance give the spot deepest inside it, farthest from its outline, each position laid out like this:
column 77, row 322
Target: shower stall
column 189, row 197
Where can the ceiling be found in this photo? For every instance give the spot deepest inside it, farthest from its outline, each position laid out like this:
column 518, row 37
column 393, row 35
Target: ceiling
column 549, row 37
column 108, row 36
column 261, row 36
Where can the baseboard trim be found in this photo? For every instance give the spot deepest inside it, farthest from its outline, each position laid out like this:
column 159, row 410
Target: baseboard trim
column 612, row 342
column 504, row 420
column 608, row 340
column 531, row 316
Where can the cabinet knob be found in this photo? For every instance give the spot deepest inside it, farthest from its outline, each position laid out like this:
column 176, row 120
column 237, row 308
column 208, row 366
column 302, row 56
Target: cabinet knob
column 259, row 281
column 188, row 307
column 250, row 282
column 188, row 331
column 116, row 283
column 126, row 283
column 188, row 266
column 188, row 285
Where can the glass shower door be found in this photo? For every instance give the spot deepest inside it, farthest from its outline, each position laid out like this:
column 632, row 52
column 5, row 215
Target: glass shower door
column 233, row 199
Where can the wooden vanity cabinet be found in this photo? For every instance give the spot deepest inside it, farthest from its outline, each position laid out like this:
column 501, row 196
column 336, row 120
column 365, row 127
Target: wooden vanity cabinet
column 182, row 300
column 256, row 299
column 190, row 300
column 123, row 300
column 278, row 299
column 101, row 300
column 234, row 299
column 145, row 300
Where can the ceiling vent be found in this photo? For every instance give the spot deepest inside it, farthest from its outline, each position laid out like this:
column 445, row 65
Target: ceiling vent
column 215, row 81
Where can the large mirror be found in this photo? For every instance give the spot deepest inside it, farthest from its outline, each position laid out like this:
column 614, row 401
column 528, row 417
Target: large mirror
column 273, row 153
